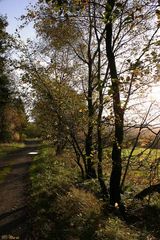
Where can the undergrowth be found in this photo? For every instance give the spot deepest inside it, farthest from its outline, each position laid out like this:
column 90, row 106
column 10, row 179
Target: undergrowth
column 66, row 208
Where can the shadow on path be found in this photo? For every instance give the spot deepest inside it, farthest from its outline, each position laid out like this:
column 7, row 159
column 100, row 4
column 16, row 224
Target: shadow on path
column 15, row 220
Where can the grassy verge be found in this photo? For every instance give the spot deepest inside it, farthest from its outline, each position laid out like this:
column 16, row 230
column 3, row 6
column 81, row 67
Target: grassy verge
column 9, row 147
column 4, row 150
column 65, row 208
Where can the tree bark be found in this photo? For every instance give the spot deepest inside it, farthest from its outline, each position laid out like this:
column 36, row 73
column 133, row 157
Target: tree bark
column 61, row 141
column 115, row 196
column 91, row 172
column 104, row 189
column 147, row 191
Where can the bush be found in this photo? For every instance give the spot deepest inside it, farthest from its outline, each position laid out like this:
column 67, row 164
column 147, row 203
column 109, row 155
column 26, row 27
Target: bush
column 77, row 214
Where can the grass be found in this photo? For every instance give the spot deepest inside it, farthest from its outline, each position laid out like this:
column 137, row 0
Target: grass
column 6, row 148
column 4, row 173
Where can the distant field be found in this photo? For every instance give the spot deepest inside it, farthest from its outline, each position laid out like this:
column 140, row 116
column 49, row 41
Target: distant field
column 142, row 153
column 143, row 170
column 138, row 154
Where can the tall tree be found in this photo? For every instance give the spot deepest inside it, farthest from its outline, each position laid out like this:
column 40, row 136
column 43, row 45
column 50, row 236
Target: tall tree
column 12, row 112
column 4, row 80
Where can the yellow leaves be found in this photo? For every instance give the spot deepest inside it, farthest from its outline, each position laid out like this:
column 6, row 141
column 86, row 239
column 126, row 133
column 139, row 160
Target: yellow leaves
column 31, row 14
column 137, row 71
column 81, row 2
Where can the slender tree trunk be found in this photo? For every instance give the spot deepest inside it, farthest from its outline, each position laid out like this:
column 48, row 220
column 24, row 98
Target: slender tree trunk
column 99, row 124
column 61, row 141
column 100, row 147
column 115, row 196
column 59, row 149
column 78, row 159
column 91, row 172
column 100, row 158
column 79, row 151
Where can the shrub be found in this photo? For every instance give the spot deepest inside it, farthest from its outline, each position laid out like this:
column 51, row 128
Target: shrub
column 77, row 214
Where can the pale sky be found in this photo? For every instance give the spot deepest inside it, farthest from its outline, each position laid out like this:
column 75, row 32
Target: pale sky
column 156, row 92
column 13, row 9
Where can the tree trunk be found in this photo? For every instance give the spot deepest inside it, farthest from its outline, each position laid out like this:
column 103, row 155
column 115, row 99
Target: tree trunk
column 147, row 191
column 59, row 149
column 91, row 172
column 61, row 141
column 104, row 189
column 115, row 196
column 78, row 159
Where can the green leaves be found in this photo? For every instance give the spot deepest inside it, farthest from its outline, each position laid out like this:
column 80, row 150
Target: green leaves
column 128, row 19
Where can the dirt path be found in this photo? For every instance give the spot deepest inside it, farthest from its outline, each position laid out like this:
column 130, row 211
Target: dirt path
column 14, row 220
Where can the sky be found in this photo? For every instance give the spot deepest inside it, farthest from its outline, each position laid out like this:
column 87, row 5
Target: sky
column 13, row 9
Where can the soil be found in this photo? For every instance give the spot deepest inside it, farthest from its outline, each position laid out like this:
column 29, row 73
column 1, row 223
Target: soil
column 14, row 213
